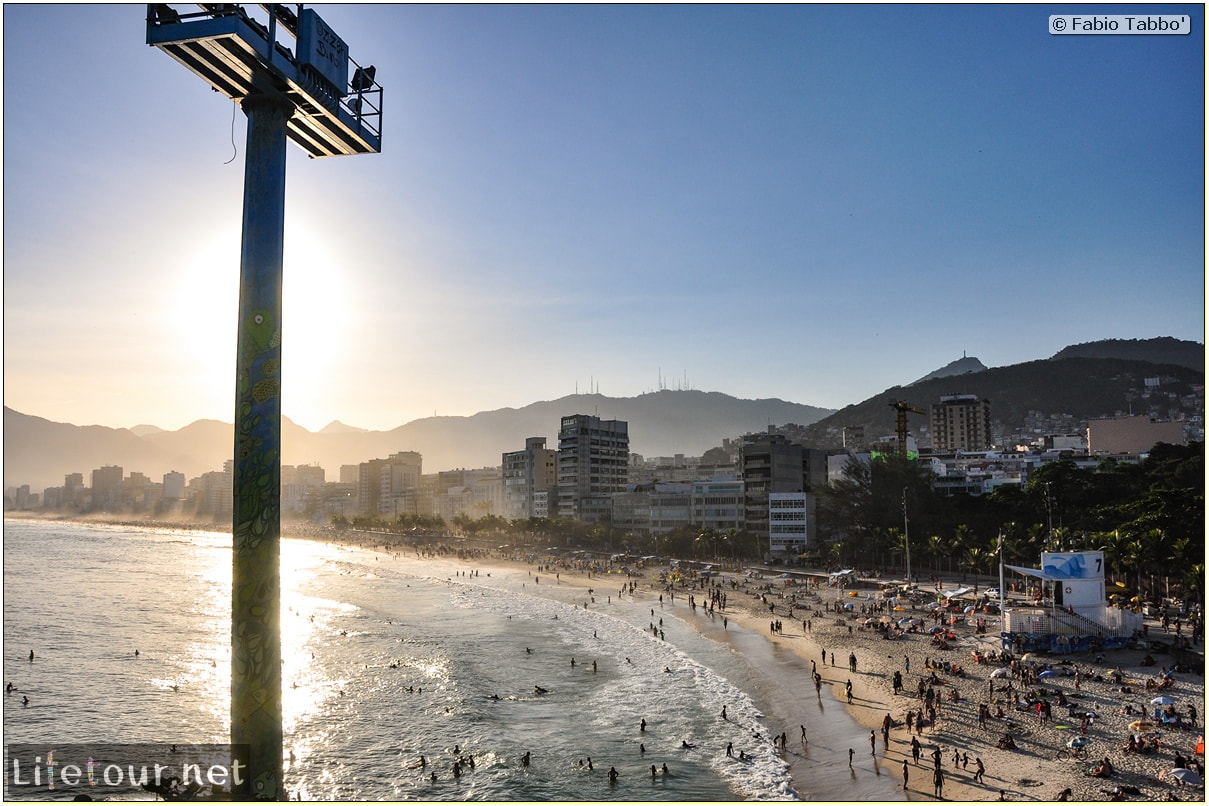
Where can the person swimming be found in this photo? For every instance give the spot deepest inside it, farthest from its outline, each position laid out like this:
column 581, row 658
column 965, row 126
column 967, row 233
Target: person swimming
column 540, row 690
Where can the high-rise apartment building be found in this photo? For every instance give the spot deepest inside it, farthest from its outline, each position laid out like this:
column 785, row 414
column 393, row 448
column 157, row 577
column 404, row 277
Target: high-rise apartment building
column 771, row 464
column 960, row 423
column 593, row 463
column 533, row 470
column 107, row 487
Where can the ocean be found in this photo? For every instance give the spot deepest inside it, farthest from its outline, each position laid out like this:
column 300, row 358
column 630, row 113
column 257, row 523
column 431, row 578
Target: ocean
column 390, row 657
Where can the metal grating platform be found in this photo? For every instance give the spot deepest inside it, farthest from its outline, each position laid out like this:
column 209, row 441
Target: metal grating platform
column 238, row 56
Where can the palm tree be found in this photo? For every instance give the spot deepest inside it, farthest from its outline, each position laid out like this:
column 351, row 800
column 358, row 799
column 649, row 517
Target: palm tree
column 936, row 547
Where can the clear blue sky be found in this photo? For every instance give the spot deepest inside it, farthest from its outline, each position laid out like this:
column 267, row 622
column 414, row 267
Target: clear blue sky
column 812, row 203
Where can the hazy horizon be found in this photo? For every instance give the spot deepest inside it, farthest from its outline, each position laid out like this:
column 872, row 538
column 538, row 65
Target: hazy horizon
column 810, row 203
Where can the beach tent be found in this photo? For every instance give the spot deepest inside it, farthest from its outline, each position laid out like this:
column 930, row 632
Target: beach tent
column 1186, row 776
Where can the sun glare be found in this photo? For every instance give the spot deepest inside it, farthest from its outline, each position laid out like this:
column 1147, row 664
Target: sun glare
column 314, row 315
column 207, row 306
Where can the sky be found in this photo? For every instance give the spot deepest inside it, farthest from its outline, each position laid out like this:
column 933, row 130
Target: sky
column 811, row 203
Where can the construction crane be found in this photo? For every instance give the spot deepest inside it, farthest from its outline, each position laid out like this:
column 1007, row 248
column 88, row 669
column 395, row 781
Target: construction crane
column 902, row 407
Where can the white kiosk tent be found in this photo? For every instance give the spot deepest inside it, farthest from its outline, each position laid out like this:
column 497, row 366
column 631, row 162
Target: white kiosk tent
column 1073, row 613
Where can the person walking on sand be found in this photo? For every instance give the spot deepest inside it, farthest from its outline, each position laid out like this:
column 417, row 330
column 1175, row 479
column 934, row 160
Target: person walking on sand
column 850, row 754
column 906, row 774
column 938, row 782
column 981, row 771
column 873, row 742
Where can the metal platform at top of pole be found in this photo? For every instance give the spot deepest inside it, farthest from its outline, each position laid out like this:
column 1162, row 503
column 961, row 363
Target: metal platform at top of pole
column 241, row 56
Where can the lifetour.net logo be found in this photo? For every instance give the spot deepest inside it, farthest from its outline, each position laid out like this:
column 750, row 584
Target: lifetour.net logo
column 105, row 771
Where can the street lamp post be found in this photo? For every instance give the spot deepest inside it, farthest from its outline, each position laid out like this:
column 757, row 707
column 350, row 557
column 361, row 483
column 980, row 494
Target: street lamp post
column 906, row 536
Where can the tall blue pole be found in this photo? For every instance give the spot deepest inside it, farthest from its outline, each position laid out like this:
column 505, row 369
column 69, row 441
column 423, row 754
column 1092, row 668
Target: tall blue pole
column 256, row 526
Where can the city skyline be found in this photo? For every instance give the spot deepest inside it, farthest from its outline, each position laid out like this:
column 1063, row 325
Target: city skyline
column 809, row 203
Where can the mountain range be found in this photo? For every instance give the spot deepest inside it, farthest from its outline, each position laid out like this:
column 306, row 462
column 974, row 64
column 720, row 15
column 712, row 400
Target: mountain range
column 39, row 452
column 1092, row 380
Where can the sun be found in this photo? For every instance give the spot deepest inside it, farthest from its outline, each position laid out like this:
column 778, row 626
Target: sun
column 205, row 315
column 315, row 321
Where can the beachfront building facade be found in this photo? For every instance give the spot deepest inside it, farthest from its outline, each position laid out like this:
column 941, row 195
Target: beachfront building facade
column 526, row 473
column 786, row 523
column 960, row 423
column 770, row 464
column 718, row 504
column 593, row 464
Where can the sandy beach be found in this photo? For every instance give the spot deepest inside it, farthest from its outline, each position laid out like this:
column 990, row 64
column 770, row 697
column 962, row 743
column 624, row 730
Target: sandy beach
column 1098, row 709
column 1039, row 768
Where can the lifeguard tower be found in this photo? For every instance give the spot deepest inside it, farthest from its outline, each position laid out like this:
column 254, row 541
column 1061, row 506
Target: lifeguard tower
column 1070, row 612
column 289, row 72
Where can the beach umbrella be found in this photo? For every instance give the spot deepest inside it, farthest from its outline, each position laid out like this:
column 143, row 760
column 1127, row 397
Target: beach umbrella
column 1048, row 673
column 1186, row 776
column 1162, row 701
column 1002, row 671
column 936, row 630
column 969, row 609
column 1140, row 725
